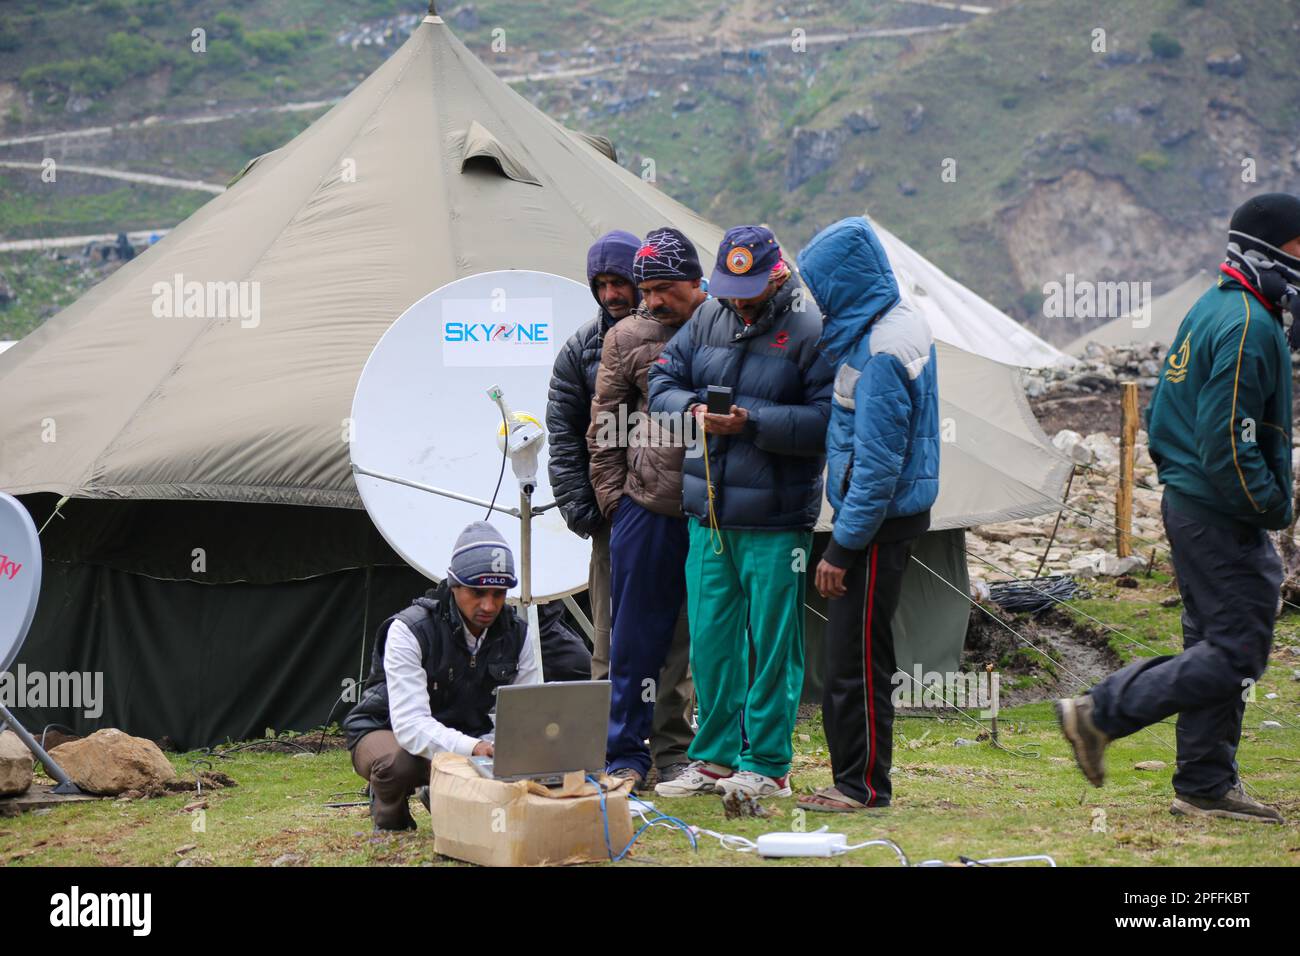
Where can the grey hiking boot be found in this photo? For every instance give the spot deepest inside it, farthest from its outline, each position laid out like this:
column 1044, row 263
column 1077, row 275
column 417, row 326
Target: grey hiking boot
column 1236, row 804
column 1075, row 717
column 672, row 771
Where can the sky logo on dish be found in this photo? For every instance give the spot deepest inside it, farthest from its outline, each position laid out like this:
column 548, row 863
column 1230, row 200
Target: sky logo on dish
column 8, row 569
column 522, row 333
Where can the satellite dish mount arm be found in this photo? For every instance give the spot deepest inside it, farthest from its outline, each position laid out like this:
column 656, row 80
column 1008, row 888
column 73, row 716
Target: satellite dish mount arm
column 53, row 769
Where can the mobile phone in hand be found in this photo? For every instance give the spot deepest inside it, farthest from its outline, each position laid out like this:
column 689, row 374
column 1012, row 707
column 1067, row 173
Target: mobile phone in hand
column 720, row 399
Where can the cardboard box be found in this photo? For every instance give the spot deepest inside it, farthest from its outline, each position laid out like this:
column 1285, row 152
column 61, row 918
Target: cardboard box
column 523, row 824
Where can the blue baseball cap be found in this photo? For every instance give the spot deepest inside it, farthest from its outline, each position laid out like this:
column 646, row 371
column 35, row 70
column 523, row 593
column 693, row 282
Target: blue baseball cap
column 746, row 258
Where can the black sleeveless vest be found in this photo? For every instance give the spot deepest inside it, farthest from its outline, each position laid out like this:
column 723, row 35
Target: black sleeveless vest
column 462, row 687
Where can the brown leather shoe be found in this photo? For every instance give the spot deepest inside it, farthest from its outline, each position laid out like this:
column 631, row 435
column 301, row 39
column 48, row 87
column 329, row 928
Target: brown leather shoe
column 1075, row 717
column 1236, row 804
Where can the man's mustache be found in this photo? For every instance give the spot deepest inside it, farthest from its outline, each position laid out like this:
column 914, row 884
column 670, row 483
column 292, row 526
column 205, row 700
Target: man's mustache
column 662, row 312
column 619, row 303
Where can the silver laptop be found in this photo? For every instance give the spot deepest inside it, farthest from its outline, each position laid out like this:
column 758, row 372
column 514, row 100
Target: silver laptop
column 544, row 731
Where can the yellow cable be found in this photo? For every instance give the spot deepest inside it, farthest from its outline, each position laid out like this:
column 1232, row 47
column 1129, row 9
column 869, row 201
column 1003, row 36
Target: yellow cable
column 715, row 533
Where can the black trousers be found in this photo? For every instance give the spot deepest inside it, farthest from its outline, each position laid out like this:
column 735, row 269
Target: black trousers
column 1229, row 582
column 857, row 703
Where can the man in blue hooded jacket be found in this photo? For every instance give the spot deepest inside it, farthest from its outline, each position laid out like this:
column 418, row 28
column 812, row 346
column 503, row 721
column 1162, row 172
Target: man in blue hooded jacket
column 882, row 468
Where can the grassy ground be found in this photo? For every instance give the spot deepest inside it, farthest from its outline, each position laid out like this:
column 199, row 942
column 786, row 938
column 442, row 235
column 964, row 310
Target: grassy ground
column 974, row 801
column 950, row 800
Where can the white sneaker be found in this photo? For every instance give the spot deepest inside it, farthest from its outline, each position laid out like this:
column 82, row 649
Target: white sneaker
column 753, row 784
column 699, row 777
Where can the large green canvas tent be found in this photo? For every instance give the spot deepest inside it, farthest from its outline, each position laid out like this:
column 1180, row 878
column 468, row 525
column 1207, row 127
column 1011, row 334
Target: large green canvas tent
column 213, row 559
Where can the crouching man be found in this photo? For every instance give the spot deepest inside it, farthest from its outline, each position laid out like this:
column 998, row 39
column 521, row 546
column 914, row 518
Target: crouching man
column 434, row 675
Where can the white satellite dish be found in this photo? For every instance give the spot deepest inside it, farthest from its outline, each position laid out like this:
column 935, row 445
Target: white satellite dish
column 20, row 589
column 20, row 577
column 424, row 429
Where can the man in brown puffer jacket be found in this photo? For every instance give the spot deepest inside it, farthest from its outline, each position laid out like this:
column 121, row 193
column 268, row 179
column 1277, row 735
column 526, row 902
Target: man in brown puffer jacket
column 636, row 471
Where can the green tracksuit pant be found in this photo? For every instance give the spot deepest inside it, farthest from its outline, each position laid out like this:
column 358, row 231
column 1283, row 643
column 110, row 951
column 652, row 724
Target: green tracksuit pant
column 746, row 601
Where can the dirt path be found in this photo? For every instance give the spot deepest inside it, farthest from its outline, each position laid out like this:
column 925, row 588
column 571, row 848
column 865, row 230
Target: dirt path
column 149, row 179
column 138, row 238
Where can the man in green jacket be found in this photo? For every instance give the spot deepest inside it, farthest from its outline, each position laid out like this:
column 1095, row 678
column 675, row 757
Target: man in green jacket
column 1220, row 427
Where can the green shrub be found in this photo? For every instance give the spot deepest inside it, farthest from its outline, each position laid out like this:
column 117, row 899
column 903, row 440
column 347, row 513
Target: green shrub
column 9, row 38
column 136, row 55
column 125, row 56
column 273, row 46
column 1164, row 46
column 229, row 25
column 1098, row 142
column 1153, row 161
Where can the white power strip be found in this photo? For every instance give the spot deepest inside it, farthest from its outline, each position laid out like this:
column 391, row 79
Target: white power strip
column 802, row 844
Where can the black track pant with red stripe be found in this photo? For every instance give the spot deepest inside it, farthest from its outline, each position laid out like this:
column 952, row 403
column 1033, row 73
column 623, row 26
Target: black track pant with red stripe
column 857, row 708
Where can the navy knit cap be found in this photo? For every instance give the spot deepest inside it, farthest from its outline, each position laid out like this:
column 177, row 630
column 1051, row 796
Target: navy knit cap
column 482, row 559
column 667, row 254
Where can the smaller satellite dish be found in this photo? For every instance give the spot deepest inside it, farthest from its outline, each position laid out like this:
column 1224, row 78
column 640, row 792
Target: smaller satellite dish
column 20, row 577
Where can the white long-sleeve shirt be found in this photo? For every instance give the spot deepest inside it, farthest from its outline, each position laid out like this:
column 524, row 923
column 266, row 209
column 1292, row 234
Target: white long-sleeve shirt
column 414, row 726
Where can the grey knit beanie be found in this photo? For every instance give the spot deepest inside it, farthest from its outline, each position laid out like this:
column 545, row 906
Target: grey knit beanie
column 482, row 559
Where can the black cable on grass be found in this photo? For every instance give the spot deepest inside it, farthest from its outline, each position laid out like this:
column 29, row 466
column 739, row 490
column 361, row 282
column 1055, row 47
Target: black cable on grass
column 1034, row 595
column 46, row 729
column 224, row 754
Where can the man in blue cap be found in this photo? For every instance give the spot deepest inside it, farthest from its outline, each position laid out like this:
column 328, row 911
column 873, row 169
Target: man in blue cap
column 754, row 495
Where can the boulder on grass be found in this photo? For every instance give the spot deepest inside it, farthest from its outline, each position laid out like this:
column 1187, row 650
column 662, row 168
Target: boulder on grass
column 110, row 762
column 16, row 765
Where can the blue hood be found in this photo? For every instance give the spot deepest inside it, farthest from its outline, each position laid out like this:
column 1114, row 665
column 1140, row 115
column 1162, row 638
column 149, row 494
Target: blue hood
column 613, row 253
column 846, row 270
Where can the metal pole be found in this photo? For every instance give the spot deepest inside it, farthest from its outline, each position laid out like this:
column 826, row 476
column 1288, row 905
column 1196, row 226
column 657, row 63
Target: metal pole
column 580, row 617
column 65, row 782
column 357, row 469
column 526, row 576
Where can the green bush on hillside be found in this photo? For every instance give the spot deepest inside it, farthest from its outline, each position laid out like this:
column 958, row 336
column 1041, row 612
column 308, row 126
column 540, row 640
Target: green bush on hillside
column 1164, row 46
column 1153, row 161
column 9, row 38
column 274, row 46
column 125, row 56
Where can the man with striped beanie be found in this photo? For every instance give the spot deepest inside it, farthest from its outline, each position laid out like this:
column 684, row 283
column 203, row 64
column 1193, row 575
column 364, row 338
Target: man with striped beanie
column 434, row 674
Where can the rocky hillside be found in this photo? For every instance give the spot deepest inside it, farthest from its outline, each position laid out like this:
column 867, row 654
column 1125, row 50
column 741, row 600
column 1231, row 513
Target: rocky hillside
column 1010, row 141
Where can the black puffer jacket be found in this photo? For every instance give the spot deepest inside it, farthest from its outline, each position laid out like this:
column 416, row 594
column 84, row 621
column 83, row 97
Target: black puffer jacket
column 573, row 384
column 770, row 475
